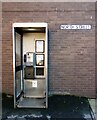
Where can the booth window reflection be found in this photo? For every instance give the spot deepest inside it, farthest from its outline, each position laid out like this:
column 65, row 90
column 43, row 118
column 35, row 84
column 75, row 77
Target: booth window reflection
column 39, row 60
column 40, row 57
column 40, row 46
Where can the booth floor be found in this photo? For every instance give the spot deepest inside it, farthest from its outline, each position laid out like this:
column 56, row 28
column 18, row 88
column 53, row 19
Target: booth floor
column 32, row 102
column 60, row 107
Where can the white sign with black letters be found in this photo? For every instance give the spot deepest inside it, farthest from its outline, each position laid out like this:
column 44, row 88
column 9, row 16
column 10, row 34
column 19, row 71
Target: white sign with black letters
column 75, row 27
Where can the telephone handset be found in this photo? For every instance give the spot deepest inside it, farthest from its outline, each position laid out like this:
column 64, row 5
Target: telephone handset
column 25, row 58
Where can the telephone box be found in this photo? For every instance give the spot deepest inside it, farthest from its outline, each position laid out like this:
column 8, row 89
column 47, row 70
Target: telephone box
column 30, row 65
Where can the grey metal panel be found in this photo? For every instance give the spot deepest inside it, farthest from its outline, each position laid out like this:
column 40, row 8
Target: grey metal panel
column 35, row 92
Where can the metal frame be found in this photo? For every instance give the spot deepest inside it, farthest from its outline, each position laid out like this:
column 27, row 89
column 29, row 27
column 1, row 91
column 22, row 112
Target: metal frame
column 46, row 64
column 18, row 25
column 13, row 31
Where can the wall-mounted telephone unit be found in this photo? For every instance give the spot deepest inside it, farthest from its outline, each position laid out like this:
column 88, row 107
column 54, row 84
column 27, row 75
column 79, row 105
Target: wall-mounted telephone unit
column 29, row 58
column 29, row 65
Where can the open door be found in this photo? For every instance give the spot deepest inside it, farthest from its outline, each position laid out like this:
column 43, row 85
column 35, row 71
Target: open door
column 17, row 64
column 30, row 65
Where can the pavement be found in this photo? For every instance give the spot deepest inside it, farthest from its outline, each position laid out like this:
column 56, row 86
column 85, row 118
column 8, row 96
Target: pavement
column 93, row 104
column 65, row 107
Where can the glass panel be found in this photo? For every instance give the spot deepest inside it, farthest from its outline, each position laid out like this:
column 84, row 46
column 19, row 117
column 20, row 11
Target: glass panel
column 18, row 82
column 40, row 71
column 39, row 46
column 40, row 60
column 18, row 49
column 18, row 64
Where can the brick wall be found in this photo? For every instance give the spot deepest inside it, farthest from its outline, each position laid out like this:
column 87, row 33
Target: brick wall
column 71, row 52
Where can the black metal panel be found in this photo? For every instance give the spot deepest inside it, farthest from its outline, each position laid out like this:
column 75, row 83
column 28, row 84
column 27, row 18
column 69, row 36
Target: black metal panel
column 29, row 72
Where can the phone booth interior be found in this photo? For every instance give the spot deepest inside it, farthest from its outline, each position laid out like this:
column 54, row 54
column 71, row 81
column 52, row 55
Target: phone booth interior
column 30, row 50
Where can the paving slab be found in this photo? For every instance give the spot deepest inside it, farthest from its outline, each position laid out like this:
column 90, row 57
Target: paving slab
column 93, row 104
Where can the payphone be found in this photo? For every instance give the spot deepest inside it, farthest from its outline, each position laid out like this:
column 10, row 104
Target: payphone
column 29, row 65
